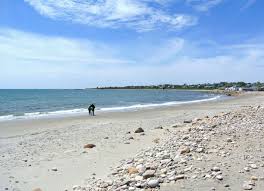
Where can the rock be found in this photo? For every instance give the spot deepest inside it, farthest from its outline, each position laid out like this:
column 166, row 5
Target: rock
column 153, row 183
column 246, row 186
column 76, row 187
column 215, row 169
column 184, row 150
column 254, row 166
column 219, row 177
column 229, row 140
column 176, row 125
column 139, row 130
column 138, row 178
column 106, row 138
column 148, row 174
column 187, row 121
column 89, row 146
column 156, row 140
column 247, row 169
column 132, row 170
column 200, row 150
column 141, row 168
column 159, row 127
column 254, row 178
column 54, row 169
column 179, row 177
column 37, row 189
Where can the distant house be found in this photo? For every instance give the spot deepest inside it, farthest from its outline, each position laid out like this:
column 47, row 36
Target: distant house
column 234, row 88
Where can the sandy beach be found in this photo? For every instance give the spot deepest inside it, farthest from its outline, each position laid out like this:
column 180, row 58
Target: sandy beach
column 49, row 153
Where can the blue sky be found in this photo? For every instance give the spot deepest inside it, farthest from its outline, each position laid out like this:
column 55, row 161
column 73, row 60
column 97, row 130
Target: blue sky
column 89, row 43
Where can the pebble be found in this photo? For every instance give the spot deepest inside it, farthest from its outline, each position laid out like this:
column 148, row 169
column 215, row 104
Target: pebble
column 139, row 130
column 254, row 166
column 246, row 186
column 54, row 169
column 148, row 174
column 184, row 150
column 37, row 189
column 153, row 183
column 132, row 170
column 197, row 151
column 187, row 121
column 89, row 146
column 219, row 177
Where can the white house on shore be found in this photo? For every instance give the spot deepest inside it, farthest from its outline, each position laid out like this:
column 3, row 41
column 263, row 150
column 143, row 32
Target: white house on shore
column 234, row 88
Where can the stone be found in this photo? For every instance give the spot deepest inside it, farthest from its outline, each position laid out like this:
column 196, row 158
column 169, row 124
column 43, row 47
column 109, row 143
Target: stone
column 141, row 168
column 184, row 150
column 139, row 130
column 246, row 186
column 89, row 146
column 200, row 150
column 187, row 121
column 219, row 177
column 247, row 169
column 229, row 140
column 156, row 140
column 54, row 169
column 132, row 170
column 254, row 178
column 159, row 127
column 138, row 178
column 176, row 125
column 215, row 169
column 254, row 166
column 179, row 177
column 148, row 174
column 153, row 183
column 37, row 189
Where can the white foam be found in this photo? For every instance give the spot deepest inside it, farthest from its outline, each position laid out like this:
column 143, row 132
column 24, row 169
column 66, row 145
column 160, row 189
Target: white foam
column 34, row 115
column 139, row 106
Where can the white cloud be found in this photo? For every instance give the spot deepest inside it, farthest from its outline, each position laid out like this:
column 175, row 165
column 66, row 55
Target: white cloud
column 28, row 48
column 203, row 5
column 36, row 61
column 248, row 4
column 140, row 15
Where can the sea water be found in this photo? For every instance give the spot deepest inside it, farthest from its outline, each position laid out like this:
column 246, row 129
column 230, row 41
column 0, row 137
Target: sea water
column 23, row 104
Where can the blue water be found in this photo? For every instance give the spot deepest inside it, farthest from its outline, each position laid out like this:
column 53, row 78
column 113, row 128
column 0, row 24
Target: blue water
column 37, row 103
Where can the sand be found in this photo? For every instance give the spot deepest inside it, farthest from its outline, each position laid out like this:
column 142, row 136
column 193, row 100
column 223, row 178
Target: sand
column 49, row 153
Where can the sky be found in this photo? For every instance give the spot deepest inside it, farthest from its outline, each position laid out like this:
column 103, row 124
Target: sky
column 90, row 43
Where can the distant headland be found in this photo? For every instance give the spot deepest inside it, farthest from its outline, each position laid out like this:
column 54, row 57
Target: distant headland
column 227, row 86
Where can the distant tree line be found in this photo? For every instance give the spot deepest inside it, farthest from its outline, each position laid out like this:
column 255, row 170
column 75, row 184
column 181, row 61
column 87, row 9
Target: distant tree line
column 204, row 86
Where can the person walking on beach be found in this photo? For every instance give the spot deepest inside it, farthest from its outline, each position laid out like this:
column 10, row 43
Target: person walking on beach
column 91, row 109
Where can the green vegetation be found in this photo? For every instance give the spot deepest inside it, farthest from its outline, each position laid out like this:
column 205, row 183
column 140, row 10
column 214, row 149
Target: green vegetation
column 205, row 86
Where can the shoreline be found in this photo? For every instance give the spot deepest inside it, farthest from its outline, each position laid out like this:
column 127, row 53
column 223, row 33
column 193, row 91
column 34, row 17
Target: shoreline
column 46, row 144
column 83, row 111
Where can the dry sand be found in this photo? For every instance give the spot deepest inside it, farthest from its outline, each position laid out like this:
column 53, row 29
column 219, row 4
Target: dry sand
column 32, row 149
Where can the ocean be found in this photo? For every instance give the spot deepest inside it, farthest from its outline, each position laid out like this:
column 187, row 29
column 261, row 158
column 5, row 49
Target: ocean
column 24, row 104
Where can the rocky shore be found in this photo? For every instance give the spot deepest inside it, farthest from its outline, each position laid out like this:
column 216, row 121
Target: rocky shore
column 222, row 152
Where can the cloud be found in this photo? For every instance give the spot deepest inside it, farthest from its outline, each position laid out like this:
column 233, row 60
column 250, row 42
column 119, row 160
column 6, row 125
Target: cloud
column 140, row 15
column 30, row 60
column 248, row 4
column 203, row 5
column 29, row 48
